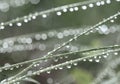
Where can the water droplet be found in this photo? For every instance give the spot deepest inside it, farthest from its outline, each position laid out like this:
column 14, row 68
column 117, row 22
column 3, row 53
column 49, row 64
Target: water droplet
column 64, row 10
column 75, row 64
column 56, row 68
column 1, row 23
column 105, row 56
column 95, row 57
column 19, row 24
column 25, row 20
column 99, row 57
column 68, row 66
column 98, row 3
column 111, row 21
column 102, row 2
column 116, row 53
column 108, row 1
column 91, row 5
column 35, row 65
column 11, row 68
column 60, row 68
column 48, row 72
column 84, row 7
column 84, row 60
column 44, row 15
column 97, row 60
column 67, row 46
column 17, row 66
column 90, row 60
column 71, row 9
column 33, row 17
column 76, row 8
column 2, row 27
column 10, row 24
column 59, row 13
column 118, row 0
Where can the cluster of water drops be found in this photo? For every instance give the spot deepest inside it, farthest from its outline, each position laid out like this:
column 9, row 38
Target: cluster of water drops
column 63, row 9
column 26, row 42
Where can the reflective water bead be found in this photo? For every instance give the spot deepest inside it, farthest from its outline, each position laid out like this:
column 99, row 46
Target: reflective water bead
column 56, row 68
column 37, row 36
column 76, row 8
column 111, row 21
column 17, row 66
column 2, row 27
column 44, row 15
column 59, row 13
column 95, row 57
column 67, row 46
column 71, row 9
column 102, row 2
column 99, row 57
column 19, row 24
column 43, row 36
column 1, row 23
column 98, row 3
column 97, row 60
column 64, row 10
column 11, row 68
column 91, row 5
column 60, row 68
column 75, row 64
column 25, row 20
column 108, row 1
column 68, row 66
column 105, row 56
column 118, row 0
column 35, row 65
column 60, row 35
column 84, row 59
column 48, row 72
column 84, row 7
column 10, row 24
column 90, row 60
column 116, row 53
column 33, row 17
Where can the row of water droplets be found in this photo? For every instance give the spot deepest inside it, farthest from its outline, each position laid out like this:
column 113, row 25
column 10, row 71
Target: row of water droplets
column 60, row 66
column 30, row 17
column 8, row 66
column 8, row 45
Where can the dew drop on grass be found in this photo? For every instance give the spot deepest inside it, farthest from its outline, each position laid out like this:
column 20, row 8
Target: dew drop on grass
column 68, row 66
column 75, row 64
column 48, row 72
column 116, row 53
column 97, row 60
